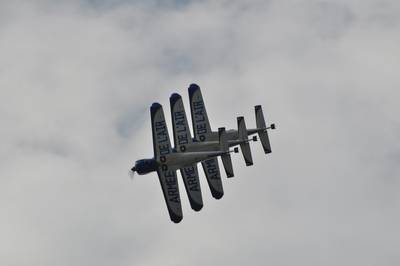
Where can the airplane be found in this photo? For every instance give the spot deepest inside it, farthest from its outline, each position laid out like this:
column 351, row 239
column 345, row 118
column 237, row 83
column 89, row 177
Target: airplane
column 183, row 142
column 167, row 161
column 204, row 147
column 204, row 137
column 203, row 132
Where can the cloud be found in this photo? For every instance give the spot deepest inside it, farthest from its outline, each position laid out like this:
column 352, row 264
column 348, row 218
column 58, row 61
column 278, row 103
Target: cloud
column 77, row 78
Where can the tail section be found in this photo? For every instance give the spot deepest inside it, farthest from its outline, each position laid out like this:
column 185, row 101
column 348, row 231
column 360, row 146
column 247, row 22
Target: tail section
column 226, row 158
column 201, row 131
column 223, row 141
column 244, row 146
column 182, row 137
column 262, row 129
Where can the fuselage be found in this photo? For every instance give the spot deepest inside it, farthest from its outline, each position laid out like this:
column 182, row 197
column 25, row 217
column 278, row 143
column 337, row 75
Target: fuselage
column 174, row 161
column 213, row 144
column 145, row 166
column 195, row 152
column 232, row 135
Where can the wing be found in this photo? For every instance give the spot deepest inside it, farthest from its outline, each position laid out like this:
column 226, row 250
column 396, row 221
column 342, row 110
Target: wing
column 167, row 177
column 201, row 125
column 202, row 132
column 161, row 142
column 169, row 185
column 182, row 137
column 190, row 175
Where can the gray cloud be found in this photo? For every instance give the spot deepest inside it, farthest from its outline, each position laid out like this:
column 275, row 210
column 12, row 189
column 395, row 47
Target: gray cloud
column 77, row 78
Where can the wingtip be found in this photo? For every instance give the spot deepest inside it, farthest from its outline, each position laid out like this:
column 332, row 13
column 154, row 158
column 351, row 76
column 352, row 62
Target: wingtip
column 155, row 105
column 176, row 218
column 193, row 88
column 154, row 108
column 249, row 163
column 218, row 195
column 174, row 98
column 267, row 151
column 196, row 206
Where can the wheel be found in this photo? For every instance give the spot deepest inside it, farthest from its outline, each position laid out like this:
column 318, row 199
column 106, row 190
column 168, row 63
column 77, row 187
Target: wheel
column 254, row 138
column 272, row 126
column 236, row 149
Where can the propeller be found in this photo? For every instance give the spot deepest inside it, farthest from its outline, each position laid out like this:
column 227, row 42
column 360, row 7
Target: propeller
column 132, row 173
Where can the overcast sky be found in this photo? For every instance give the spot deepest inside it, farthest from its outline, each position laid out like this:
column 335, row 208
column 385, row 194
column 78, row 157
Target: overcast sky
column 76, row 82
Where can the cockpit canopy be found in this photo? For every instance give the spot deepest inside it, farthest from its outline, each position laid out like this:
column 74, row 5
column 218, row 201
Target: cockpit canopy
column 145, row 166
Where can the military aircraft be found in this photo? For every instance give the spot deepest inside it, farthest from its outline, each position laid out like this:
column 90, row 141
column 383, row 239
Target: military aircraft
column 204, row 136
column 203, row 132
column 166, row 161
column 183, row 142
column 205, row 147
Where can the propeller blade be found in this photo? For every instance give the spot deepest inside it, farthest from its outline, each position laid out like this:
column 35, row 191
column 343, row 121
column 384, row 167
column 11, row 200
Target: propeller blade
column 132, row 173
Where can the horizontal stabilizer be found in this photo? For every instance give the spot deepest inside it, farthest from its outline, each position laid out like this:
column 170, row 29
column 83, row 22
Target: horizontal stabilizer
column 262, row 129
column 244, row 145
column 226, row 158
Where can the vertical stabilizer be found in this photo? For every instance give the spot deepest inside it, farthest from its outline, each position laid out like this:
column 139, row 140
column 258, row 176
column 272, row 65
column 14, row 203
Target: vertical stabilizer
column 262, row 129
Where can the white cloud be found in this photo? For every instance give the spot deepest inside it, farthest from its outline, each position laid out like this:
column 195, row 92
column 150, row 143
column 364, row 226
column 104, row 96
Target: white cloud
column 76, row 81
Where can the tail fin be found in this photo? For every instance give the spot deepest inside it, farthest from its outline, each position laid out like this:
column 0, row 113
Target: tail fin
column 244, row 146
column 226, row 157
column 262, row 129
